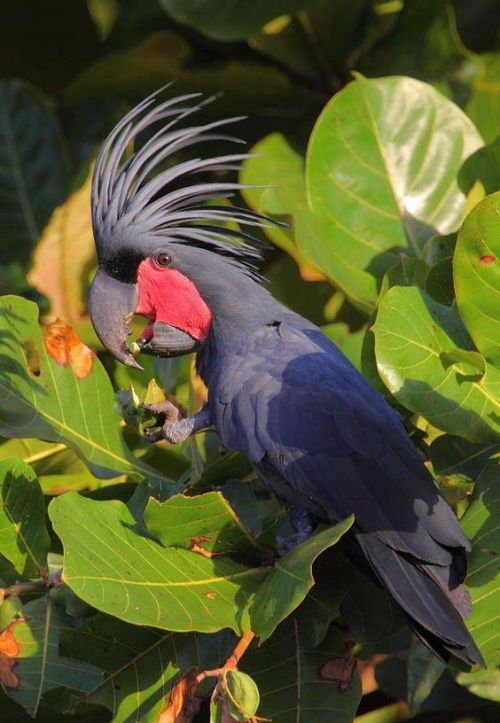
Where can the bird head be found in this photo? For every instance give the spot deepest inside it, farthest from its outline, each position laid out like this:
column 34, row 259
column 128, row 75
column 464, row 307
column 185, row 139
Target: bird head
column 163, row 240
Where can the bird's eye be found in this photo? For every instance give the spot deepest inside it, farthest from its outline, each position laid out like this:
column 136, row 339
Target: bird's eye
column 162, row 259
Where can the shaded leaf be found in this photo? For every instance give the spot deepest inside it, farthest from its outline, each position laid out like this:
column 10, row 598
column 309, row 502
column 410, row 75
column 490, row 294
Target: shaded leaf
column 33, row 168
column 164, row 56
column 412, row 331
column 33, row 401
column 118, row 571
column 140, row 665
column 455, row 456
column 423, row 672
column 290, row 580
column 24, row 539
column 371, row 195
column 288, row 677
column 38, row 665
column 63, row 256
column 484, row 103
column 480, row 524
column 476, row 272
column 228, row 19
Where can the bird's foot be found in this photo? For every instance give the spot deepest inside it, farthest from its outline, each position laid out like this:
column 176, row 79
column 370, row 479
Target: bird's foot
column 304, row 525
column 173, row 427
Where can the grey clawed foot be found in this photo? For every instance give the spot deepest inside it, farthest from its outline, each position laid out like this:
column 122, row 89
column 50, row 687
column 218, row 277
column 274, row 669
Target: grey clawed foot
column 169, row 420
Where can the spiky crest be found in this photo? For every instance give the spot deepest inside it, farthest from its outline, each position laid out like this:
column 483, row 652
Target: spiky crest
column 129, row 201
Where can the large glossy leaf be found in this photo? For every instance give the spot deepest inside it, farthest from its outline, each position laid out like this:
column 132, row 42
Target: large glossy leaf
column 229, row 19
column 371, row 193
column 63, row 256
column 290, row 580
column 274, row 175
column 476, row 272
column 121, row 572
column 39, row 667
column 55, row 389
column 293, row 682
column 140, row 665
column 422, row 352
column 24, row 539
column 481, row 524
column 33, row 168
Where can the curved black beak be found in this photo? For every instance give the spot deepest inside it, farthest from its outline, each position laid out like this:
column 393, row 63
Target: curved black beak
column 111, row 305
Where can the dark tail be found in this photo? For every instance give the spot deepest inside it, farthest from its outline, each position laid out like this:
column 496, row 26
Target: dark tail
column 434, row 603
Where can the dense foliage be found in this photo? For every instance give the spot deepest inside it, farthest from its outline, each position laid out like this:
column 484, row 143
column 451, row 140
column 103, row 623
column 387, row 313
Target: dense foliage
column 374, row 127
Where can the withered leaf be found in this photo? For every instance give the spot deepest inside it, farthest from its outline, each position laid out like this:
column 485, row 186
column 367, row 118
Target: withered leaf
column 182, row 704
column 339, row 670
column 9, row 650
column 65, row 346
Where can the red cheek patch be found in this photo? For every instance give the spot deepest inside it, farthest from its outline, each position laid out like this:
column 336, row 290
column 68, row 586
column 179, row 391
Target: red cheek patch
column 169, row 296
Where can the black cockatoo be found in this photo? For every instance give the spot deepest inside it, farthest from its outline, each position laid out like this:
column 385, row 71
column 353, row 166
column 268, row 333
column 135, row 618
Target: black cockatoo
column 278, row 390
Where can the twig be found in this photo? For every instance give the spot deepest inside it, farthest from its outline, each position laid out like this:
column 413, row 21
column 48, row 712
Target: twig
column 231, row 662
column 22, row 588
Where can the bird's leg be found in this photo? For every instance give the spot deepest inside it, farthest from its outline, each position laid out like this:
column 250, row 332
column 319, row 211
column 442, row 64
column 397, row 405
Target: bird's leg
column 175, row 428
column 304, row 524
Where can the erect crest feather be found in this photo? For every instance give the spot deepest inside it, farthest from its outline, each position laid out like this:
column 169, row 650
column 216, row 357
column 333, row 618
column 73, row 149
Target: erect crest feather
column 130, row 202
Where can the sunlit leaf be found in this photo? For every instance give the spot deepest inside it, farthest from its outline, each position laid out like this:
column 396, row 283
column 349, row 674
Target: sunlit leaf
column 43, row 395
column 476, row 272
column 481, row 524
column 372, row 195
column 412, row 332
column 114, row 568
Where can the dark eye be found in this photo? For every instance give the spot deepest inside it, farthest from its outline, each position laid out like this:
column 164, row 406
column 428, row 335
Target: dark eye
column 162, row 259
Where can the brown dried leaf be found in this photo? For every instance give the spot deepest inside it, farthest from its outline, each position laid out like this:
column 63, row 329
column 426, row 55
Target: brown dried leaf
column 339, row 670
column 64, row 254
column 182, row 704
column 9, row 650
column 65, row 346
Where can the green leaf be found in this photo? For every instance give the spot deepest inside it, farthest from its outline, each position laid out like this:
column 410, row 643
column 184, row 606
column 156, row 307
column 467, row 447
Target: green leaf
column 476, row 271
column 481, row 524
column 120, row 572
column 483, row 683
column 290, row 580
column 319, row 608
column 163, row 56
column 484, row 103
column 33, row 168
column 227, row 20
column 140, row 665
column 39, row 666
column 412, row 331
column 58, row 468
column 24, row 539
column 372, row 195
column 454, row 456
column 206, row 521
column 44, row 395
column 289, row 678
column 423, row 672
column 241, row 694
